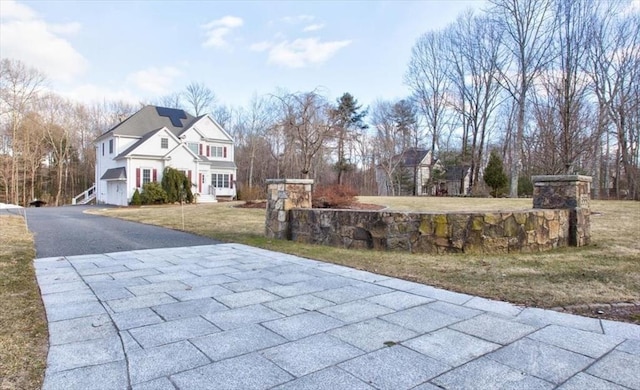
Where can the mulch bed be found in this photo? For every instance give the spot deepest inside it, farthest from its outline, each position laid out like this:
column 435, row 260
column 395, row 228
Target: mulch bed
column 357, row 206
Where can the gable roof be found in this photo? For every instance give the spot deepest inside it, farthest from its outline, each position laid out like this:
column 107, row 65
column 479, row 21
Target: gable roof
column 152, row 117
column 138, row 143
column 455, row 173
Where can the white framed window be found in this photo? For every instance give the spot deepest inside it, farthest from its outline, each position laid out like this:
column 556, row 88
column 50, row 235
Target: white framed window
column 220, row 180
column 217, row 151
column 110, row 146
column 164, row 143
column 146, row 176
column 193, row 146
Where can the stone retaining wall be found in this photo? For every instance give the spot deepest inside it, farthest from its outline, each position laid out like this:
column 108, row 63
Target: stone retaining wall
column 496, row 232
column 561, row 218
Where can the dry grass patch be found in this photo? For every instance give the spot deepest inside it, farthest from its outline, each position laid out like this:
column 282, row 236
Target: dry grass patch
column 607, row 271
column 23, row 325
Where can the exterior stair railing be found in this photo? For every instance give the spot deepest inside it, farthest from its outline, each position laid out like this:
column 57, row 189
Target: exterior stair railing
column 85, row 197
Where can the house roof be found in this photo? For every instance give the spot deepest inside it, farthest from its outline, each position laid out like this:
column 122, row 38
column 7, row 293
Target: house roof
column 115, row 174
column 219, row 164
column 455, row 172
column 411, row 157
column 152, row 117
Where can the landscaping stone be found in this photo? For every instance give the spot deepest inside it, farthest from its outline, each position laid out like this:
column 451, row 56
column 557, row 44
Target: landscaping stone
column 153, row 363
column 420, row 319
column 494, row 329
column 618, row 367
column 394, row 368
column 327, row 379
column 111, row 376
column 399, row 300
column 84, row 353
column 246, row 298
column 541, row 360
column 245, row 372
column 449, row 346
column 355, row 311
column 235, row 318
column 172, row 331
column 372, row 334
column 485, row 373
column 303, row 325
column 235, row 342
column 582, row 381
column 310, row 354
column 135, row 318
column 81, row 329
column 587, row 343
column 186, row 309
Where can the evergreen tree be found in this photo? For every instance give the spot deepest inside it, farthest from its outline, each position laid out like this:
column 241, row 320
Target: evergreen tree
column 176, row 185
column 136, row 200
column 349, row 118
column 494, row 174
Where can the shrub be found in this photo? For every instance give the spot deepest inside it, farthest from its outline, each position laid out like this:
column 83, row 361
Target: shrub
column 334, row 196
column 525, row 186
column 177, row 186
column 136, row 200
column 152, row 193
column 251, row 194
column 494, row 174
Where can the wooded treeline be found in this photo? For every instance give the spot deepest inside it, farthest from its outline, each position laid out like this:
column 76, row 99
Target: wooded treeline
column 553, row 86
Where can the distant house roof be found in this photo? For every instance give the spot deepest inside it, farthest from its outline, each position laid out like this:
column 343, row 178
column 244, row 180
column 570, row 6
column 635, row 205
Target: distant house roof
column 152, row 117
column 115, row 174
column 414, row 156
column 455, row 172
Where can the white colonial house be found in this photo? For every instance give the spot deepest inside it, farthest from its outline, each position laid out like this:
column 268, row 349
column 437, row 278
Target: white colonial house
column 138, row 149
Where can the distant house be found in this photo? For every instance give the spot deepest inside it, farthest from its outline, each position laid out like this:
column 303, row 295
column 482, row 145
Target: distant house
column 137, row 150
column 454, row 176
column 410, row 168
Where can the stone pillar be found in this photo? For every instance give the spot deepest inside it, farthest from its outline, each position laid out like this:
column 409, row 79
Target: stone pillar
column 572, row 192
column 282, row 196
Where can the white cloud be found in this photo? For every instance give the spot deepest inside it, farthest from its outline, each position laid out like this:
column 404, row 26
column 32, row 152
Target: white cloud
column 261, row 46
column 304, row 52
column 13, row 10
column 217, row 30
column 155, row 80
column 28, row 38
column 313, row 27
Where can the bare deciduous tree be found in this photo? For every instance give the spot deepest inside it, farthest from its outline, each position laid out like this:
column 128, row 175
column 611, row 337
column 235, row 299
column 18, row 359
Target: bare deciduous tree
column 199, row 97
column 527, row 27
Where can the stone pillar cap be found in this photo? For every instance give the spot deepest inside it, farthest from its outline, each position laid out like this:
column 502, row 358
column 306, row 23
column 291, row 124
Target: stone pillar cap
column 289, row 181
column 546, row 178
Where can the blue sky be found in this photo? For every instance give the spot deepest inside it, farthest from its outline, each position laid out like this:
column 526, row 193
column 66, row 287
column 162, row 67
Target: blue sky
column 138, row 51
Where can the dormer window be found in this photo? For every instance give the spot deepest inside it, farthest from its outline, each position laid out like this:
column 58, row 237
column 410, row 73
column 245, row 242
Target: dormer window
column 164, row 143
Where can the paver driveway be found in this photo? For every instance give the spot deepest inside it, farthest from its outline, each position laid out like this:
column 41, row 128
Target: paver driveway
column 235, row 317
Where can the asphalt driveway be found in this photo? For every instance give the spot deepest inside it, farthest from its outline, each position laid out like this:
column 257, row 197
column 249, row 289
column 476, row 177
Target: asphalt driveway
column 68, row 231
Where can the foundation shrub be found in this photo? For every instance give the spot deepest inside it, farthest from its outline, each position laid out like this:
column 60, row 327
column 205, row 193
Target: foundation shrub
column 335, row 196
